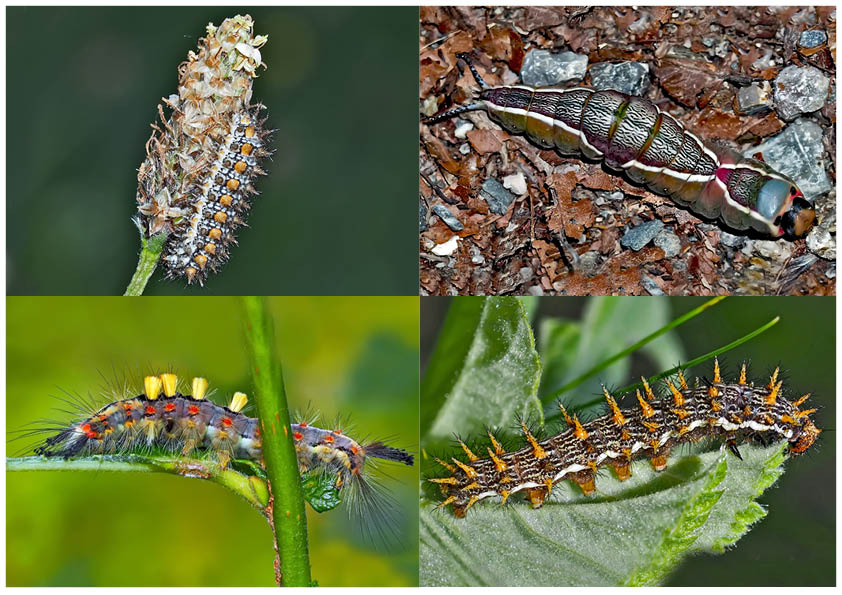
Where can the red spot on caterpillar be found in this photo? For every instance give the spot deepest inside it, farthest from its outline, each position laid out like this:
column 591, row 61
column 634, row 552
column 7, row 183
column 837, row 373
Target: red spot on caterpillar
column 169, row 407
column 328, row 438
column 355, row 450
column 86, row 428
column 303, row 424
column 192, row 410
column 226, row 421
column 298, row 435
column 150, row 410
column 127, row 406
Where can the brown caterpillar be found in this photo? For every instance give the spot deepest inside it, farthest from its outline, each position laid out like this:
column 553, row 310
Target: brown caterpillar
column 734, row 411
column 164, row 418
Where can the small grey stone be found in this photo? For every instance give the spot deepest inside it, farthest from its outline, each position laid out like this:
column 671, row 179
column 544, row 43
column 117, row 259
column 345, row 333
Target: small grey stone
column 668, row 242
column 800, row 90
column 731, row 240
column 631, row 78
column 497, row 197
column 822, row 243
column 449, row 218
column 754, row 98
column 589, row 263
column 812, row 38
column 637, row 237
column 536, row 290
column 650, row 286
column 797, row 152
column 422, row 216
column 542, row 68
column 526, row 274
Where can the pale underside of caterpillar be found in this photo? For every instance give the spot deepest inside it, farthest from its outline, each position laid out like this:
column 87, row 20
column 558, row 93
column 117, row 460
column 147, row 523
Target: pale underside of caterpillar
column 632, row 135
column 164, row 418
column 202, row 222
column 732, row 411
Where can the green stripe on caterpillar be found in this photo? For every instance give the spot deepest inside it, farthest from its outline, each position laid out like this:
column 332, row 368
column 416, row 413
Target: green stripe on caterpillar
column 630, row 134
column 736, row 412
column 168, row 419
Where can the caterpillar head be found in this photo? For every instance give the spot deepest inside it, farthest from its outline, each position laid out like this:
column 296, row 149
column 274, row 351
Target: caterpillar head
column 781, row 202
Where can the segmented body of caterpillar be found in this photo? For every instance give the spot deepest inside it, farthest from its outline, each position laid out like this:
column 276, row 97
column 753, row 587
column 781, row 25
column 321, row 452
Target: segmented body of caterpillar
column 164, row 418
column 733, row 411
column 632, row 135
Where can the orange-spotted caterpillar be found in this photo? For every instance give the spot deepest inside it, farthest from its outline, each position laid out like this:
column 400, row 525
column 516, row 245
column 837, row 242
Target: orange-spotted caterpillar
column 736, row 412
column 165, row 418
column 632, row 135
column 198, row 176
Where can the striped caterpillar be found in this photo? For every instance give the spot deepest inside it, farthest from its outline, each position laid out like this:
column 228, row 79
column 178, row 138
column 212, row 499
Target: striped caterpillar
column 164, row 418
column 630, row 134
column 735, row 411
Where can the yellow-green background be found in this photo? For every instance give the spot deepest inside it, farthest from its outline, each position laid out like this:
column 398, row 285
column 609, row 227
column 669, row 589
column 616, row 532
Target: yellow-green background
column 354, row 356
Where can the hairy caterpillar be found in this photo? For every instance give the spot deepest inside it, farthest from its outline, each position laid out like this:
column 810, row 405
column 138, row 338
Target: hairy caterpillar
column 167, row 419
column 734, row 411
column 630, row 134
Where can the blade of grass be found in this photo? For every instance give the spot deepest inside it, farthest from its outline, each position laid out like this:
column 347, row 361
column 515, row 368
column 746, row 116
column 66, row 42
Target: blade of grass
column 631, row 349
column 692, row 362
column 289, row 521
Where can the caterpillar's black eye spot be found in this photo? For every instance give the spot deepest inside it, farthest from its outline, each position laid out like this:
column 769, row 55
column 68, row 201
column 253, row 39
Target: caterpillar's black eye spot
column 778, row 220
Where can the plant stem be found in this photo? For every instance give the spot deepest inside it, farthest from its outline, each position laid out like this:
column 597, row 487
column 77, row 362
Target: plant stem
column 288, row 514
column 250, row 487
column 150, row 253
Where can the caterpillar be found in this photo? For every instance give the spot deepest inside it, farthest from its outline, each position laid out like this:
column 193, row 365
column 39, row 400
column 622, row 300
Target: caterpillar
column 164, row 418
column 734, row 411
column 199, row 172
column 632, row 135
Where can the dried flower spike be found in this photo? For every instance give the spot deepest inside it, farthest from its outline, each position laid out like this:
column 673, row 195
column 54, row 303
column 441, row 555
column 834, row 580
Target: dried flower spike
column 198, row 175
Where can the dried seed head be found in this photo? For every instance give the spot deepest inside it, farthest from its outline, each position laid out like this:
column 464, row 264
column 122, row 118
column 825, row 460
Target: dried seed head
column 201, row 161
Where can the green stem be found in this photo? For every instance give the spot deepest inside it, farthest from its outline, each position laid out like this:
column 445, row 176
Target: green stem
column 150, row 253
column 288, row 515
column 631, row 349
column 250, row 487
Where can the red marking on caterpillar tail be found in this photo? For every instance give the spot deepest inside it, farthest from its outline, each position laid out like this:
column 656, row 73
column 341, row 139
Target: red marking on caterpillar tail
column 735, row 412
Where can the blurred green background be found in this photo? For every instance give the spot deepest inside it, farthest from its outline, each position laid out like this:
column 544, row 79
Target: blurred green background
column 83, row 85
column 796, row 543
column 352, row 356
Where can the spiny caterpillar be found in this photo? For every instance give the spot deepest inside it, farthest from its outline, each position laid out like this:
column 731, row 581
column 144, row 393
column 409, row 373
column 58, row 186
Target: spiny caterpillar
column 632, row 135
column 200, row 167
column 164, row 418
column 734, row 411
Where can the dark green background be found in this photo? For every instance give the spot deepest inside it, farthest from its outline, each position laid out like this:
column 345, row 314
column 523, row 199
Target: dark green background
column 336, row 215
column 352, row 356
column 796, row 543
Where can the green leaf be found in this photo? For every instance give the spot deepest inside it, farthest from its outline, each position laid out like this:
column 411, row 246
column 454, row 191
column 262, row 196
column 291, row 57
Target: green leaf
column 320, row 490
column 631, row 532
column 483, row 372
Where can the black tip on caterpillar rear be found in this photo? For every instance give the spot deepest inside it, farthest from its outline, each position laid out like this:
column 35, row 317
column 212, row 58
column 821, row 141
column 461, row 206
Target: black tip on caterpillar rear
column 64, row 444
column 378, row 450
